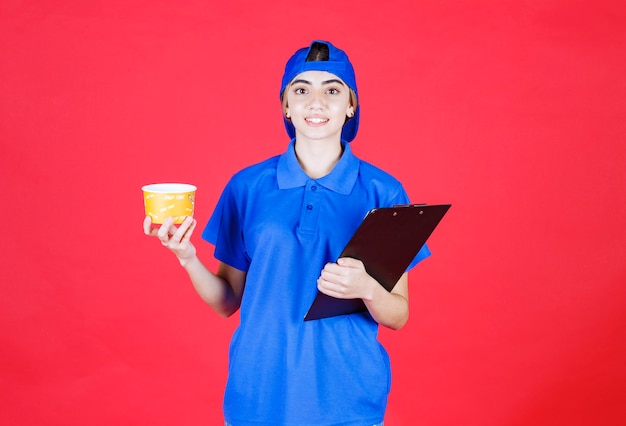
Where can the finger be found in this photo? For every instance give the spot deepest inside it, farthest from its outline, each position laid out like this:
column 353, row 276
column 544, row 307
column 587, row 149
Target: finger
column 171, row 226
column 327, row 275
column 182, row 230
column 147, row 225
column 332, row 268
column 330, row 288
column 193, row 222
column 164, row 231
column 323, row 285
column 349, row 262
column 330, row 279
column 149, row 228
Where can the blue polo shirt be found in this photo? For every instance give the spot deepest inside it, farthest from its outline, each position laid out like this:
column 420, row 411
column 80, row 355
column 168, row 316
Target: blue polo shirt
column 282, row 227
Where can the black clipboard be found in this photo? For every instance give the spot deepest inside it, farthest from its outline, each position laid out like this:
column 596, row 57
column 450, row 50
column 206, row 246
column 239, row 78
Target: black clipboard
column 386, row 241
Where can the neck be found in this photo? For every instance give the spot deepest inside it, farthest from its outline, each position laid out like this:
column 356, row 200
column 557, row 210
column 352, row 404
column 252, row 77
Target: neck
column 318, row 158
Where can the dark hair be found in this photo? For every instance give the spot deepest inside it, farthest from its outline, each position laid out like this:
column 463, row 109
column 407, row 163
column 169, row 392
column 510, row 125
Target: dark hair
column 319, row 52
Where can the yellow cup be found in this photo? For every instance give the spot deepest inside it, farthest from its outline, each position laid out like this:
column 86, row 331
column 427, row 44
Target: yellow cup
column 169, row 199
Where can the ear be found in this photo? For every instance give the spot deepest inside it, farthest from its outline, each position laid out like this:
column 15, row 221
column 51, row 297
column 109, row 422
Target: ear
column 350, row 112
column 287, row 115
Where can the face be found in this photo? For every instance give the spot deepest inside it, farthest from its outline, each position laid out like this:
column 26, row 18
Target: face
column 318, row 104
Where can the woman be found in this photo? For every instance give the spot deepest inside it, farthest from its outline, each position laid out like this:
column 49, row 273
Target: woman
column 277, row 229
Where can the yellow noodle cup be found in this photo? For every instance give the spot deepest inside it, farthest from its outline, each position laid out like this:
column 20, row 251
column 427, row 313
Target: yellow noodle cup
column 169, row 199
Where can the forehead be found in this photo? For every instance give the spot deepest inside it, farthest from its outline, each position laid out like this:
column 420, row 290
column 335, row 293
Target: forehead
column 316, row 77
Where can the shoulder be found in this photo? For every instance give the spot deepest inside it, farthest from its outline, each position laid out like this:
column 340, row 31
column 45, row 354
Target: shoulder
column 256, row 173
column 371, row 175
column 374, row 172
column 254, row 179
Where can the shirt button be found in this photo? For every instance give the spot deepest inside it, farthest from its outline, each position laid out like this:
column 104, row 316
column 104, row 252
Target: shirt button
column 309, row 207
column 314, row 188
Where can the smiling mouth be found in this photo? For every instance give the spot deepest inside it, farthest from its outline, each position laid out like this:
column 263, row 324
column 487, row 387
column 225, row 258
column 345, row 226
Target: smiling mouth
column 316, row 120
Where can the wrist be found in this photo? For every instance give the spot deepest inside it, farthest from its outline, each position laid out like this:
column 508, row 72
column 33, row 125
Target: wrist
column 187, row 262
column 373, row 289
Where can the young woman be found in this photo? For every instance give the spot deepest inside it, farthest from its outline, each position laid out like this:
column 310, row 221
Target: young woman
column 278, row 228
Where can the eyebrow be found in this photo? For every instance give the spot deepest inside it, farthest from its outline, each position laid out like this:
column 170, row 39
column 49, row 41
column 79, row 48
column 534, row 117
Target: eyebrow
column 334, row 80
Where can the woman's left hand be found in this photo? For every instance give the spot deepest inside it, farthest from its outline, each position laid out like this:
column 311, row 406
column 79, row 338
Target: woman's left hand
column 347, row 279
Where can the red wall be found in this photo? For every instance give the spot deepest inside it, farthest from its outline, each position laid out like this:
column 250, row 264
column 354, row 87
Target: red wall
column 515, row 112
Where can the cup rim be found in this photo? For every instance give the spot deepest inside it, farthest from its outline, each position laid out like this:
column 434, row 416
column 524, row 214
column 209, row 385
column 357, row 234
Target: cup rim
column 162, row 188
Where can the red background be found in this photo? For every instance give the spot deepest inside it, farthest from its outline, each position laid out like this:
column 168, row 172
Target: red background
column 512, row 111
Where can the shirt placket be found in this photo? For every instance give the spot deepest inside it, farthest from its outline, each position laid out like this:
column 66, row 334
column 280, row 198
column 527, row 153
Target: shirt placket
column 309, row 213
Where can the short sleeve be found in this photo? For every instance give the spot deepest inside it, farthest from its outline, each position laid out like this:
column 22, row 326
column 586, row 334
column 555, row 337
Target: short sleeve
column 403, row 198
column 225, row 231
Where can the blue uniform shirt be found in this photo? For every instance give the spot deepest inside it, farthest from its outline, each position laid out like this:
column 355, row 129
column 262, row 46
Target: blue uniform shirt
column 282, row 227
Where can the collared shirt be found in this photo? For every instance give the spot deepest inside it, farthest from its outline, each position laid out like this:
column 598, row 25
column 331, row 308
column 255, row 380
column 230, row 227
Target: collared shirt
column 281, row 227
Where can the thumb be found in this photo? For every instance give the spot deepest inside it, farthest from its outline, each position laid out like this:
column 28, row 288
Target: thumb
column 349, row 262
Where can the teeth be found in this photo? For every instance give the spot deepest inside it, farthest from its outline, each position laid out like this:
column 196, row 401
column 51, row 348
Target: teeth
column 316, row 120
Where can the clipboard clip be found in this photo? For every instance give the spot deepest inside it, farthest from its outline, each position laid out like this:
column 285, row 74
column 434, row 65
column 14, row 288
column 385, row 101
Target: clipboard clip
column 411, row 205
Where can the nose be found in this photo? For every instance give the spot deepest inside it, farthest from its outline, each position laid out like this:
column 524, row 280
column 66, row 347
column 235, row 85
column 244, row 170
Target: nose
column 316, row 100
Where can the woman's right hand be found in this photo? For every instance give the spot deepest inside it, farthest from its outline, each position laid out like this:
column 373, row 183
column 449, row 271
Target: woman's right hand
column 177, row 239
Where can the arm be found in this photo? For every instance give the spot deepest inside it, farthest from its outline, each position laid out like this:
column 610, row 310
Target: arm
column 348, row 279
column 221, row 291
